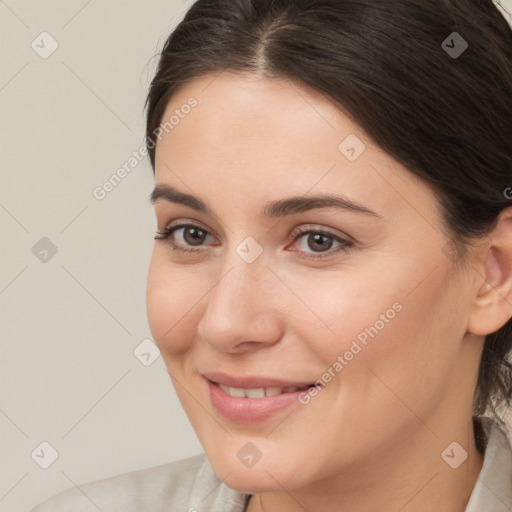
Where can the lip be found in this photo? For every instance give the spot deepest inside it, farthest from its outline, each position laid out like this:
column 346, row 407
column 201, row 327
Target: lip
column 251, row 382
column 250, row 410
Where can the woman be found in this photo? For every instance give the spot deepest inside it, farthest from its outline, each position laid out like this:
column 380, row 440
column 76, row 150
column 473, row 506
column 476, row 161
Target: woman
column 331, row 280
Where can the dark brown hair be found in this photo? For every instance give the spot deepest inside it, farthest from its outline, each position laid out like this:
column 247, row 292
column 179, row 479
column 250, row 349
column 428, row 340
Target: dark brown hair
column 447, row 118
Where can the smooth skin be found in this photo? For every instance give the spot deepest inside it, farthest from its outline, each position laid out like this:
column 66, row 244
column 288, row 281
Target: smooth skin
column 372, row 439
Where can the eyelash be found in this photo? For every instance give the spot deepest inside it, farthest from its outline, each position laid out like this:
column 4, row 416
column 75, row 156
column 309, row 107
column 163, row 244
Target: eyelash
column 344, row 247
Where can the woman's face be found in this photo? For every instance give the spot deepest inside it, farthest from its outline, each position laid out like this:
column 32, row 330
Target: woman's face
column 285, row 284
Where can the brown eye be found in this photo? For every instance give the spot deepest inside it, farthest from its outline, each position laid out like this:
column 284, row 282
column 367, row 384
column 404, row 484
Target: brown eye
column 193, row 235
column 319, row 244
column 188, row 238
column 183, row 237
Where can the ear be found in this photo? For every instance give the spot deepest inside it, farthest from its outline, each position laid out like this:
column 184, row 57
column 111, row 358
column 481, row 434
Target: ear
column 492, row 302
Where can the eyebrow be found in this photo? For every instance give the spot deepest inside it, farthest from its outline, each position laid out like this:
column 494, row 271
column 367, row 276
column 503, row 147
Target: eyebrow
column 273, row 209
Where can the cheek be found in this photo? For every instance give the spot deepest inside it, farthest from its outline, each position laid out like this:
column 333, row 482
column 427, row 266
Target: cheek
column 171, row 303
column 385, row 322
column 407, row 352
column 344, row 312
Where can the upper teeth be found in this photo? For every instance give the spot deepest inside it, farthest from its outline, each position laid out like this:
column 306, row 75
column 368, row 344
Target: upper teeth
column 256, row 392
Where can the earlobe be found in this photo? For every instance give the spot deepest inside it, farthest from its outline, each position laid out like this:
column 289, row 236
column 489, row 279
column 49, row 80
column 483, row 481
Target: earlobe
column 492, row 304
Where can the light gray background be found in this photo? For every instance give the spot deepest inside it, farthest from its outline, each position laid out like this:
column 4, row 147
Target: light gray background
column 70, row 325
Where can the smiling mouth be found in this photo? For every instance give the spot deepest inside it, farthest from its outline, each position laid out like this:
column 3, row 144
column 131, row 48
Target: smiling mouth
column 251, row 405
column 259, row 392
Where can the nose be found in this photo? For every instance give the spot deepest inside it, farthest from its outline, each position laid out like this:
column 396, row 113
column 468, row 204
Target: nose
column 240, row 313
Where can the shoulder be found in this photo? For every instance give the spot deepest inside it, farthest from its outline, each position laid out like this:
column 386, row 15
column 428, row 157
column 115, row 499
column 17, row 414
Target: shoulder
column 167, row 487
column 493, row 489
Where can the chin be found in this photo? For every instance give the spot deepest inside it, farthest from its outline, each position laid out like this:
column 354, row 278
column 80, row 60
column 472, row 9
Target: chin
column 262, row 477
column 249, row 482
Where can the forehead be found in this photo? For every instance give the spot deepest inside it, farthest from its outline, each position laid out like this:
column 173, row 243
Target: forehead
column 267, row 137
column 231, row 107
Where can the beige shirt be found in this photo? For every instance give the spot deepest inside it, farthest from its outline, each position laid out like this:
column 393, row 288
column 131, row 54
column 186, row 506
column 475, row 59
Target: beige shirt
column 191, row 485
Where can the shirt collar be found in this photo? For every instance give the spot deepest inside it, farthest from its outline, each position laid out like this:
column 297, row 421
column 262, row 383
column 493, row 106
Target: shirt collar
column 493, row 488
